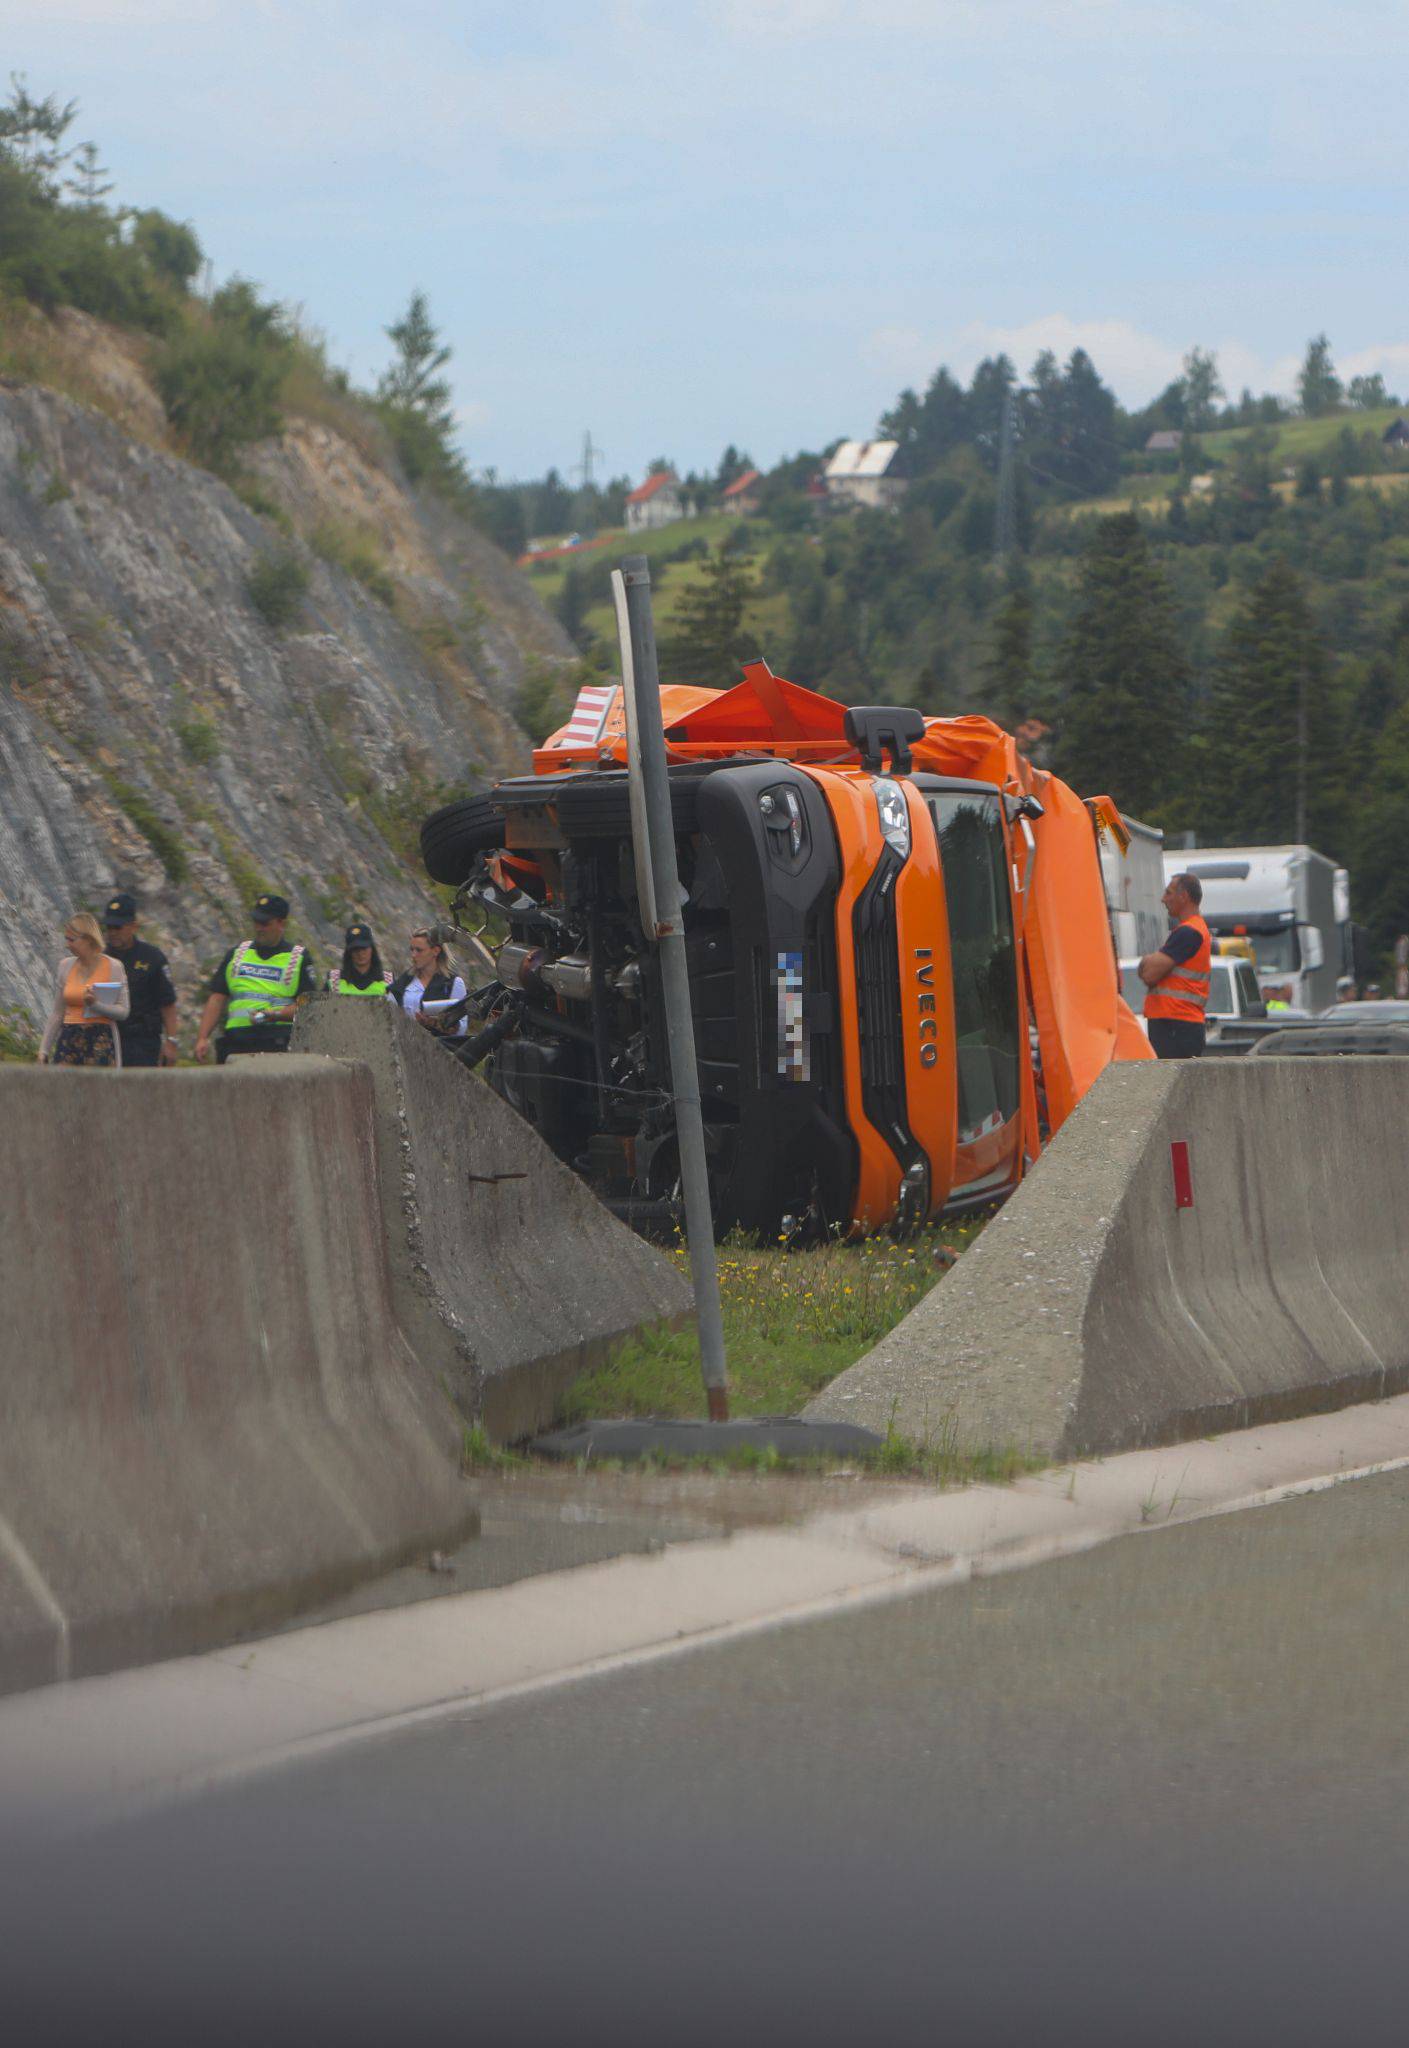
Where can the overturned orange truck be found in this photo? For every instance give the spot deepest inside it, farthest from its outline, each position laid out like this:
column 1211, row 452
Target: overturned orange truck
column 899, row 949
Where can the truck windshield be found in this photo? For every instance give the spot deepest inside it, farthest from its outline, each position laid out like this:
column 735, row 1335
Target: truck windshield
column 1220, row 991
column 984, row 959
column 1277, row 952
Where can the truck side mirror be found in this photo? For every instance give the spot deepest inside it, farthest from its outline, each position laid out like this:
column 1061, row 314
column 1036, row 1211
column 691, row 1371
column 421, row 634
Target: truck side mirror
column 1313, row 952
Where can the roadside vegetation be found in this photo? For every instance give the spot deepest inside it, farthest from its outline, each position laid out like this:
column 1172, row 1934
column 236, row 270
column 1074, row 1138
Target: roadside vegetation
column 792, row 1321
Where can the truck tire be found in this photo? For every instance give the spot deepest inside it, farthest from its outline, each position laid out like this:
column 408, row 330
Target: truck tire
column 599, row 806
column 453, row 837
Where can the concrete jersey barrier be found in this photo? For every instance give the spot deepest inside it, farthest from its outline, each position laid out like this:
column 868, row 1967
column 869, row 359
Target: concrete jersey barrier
column 208, row 1417
column 509, row 1277
column 1202, row 1247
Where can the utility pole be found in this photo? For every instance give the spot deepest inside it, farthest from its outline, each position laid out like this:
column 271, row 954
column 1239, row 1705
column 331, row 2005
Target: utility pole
column 1005, row 524
column 1301, row 742
column 590, row 456
column 662, row 913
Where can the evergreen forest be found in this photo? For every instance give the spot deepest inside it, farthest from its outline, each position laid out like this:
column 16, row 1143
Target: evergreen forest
column 1213, row 628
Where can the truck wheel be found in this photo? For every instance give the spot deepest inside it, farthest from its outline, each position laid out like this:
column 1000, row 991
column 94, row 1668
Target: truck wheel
column 453, row 837
column 599, row 806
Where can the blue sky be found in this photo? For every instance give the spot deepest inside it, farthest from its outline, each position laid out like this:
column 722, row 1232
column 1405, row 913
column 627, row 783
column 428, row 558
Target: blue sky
column 688, row 222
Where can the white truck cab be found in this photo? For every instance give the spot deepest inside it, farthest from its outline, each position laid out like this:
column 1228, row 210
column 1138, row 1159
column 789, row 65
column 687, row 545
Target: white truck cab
column 1291, row 902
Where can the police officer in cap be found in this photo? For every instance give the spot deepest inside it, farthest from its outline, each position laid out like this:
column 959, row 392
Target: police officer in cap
column 256, row 988
column 361, row 972
column 148, row 1033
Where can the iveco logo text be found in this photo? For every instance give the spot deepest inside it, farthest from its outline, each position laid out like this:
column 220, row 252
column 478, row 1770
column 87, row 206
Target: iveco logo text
column 929, row 1027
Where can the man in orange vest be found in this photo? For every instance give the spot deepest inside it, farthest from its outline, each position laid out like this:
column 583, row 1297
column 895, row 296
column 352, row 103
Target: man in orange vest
column 1177, row 976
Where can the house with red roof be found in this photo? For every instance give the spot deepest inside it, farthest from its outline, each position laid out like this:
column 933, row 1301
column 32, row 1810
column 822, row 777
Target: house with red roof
column 656, row 502
column 742, row 496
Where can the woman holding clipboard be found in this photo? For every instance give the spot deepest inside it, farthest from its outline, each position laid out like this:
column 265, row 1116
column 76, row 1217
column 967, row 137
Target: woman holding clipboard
column 91, row 1000
column 431, row 990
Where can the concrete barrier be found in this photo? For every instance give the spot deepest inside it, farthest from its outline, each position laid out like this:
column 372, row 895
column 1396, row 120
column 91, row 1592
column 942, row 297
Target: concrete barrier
column 1100, row 1311
column 208, row 1417
column 509, row 1277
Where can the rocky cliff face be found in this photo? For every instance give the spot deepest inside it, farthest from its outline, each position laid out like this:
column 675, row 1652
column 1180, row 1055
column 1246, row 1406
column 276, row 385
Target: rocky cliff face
column 158, row 734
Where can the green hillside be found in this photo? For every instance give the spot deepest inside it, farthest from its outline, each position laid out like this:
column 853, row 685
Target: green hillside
column 1293, row 440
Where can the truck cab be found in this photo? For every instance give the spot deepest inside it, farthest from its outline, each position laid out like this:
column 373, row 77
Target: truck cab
column 883, row 918
column 1289, row 902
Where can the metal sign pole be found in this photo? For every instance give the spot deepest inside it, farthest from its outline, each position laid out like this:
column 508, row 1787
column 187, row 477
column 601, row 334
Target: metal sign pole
column 660, row 899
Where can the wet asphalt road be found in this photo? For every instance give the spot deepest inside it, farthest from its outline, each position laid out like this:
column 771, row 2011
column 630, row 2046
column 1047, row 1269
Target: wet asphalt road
column 1156, row 1793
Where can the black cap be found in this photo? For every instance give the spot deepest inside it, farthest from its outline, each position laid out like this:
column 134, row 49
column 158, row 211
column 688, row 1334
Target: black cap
column 358, row 935
column 266, row 908
column 119, row 909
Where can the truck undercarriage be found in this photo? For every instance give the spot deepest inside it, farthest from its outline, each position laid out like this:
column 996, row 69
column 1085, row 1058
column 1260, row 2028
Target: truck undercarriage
column 867, row 966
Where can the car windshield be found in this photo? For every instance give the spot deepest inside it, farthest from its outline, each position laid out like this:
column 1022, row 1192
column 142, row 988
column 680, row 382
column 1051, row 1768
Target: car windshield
column 985, row 965
column 1220, row 990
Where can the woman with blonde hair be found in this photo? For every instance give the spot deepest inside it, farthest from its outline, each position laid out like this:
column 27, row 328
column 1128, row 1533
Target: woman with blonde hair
column 91, row 1000
column 432, row 978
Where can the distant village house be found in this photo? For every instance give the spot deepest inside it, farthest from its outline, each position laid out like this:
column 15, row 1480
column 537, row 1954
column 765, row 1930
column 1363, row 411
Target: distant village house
column 742, row 496
column 863, row 473
column 656, row 502
column 1166, row 441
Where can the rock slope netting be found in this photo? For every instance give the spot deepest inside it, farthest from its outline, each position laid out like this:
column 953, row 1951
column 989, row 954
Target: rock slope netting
column 158, row 734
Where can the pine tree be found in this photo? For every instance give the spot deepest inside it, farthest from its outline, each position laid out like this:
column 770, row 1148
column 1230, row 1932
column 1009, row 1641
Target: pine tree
column 708, row 646
column 86, row 182
column 415, row 401
column 1122, row 680
column 1272, row 731
column 1317, row 383
column 1202, row 388
column 1007, row 670
column 32, row 133
column 412, row 380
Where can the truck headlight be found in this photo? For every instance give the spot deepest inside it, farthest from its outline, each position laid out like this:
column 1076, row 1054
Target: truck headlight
column 895, row 815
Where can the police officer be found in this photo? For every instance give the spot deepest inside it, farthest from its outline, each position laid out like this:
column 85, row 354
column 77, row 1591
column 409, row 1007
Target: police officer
column 256, row 988
column 1178, row 975
column 149, row 1032
column 361, row 972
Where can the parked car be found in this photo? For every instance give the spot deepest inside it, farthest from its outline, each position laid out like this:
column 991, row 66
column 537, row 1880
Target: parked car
column 1358, row 1029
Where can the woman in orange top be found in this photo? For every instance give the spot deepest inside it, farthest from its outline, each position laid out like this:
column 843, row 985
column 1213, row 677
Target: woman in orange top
column 82, row 1027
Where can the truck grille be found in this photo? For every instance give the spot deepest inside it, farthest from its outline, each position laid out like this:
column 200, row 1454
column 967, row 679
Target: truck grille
column 877, row 947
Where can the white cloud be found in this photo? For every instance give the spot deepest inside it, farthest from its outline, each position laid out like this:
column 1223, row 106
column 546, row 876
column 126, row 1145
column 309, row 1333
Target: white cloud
column 1390, row 358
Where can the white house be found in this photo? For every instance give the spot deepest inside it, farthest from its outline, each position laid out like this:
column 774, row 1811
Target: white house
column 656, row 502
column 860, row 473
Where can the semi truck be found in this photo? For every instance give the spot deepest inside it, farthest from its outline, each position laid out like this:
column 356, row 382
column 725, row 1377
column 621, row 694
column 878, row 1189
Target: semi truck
column 1135, row 881
column 1290, row 902
column 900, row 960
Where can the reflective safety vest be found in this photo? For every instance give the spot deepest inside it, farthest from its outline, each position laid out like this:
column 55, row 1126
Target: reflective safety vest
column 256, row 984
column 1183, row 994
column 350, row 988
